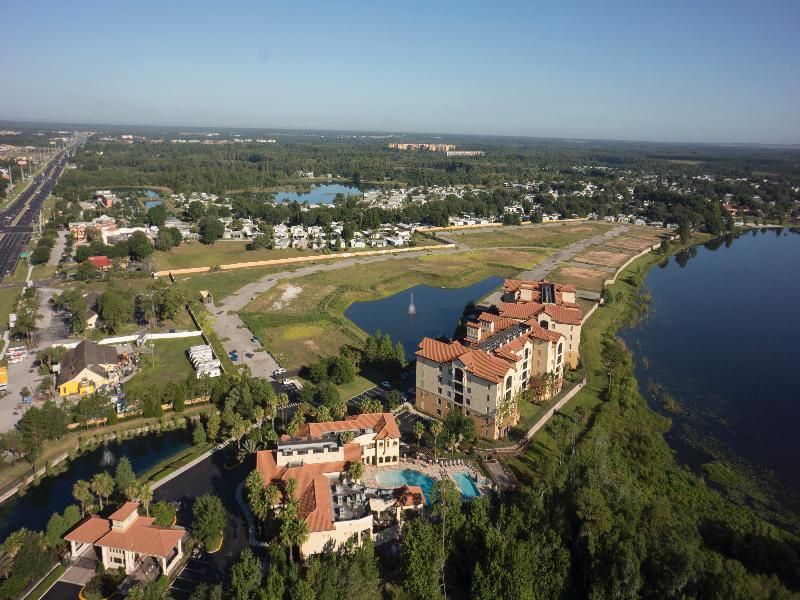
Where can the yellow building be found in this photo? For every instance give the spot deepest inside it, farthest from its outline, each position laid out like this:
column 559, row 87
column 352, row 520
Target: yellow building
column 87, row 367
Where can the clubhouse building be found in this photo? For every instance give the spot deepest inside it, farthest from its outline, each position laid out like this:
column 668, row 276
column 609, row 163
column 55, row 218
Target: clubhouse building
column 335, row 508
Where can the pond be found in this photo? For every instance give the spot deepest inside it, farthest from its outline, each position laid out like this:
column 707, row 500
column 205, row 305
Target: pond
column 319, row 194
column 55, row 493
column 437, row 312
column 717, row 354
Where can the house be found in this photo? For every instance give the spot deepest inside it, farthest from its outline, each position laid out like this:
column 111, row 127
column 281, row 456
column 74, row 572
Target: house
column 335, row 508
column 91, row 316
column 99, row 262
column 105, row 198
column 125, row 539
column 86, row 368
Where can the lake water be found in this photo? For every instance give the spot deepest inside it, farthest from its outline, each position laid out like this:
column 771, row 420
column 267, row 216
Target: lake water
column 319, row 194
column 55, row 493
column 721, row 338
column 438, row 312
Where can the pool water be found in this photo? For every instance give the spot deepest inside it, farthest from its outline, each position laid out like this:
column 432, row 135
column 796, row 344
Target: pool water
column 406, row 477
column 412, row 477
column 466, row 485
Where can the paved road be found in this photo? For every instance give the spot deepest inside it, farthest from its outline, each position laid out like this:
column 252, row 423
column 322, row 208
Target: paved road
column 16, row 221
column 62, row 590
column 540, row 270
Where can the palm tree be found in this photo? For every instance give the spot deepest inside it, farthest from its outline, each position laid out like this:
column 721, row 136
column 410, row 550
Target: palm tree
column 419, row 431
column 436, row 430
column 146, row 496
column 238, row 429
column 102, row 485
column 248, row 447
column 82, row 493
column 271, row 494
column 300, row 532
column 132, row 493
column 282, row 401
column 285, row 534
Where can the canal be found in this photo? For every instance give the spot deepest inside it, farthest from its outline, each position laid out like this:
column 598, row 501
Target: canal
column 54, row 493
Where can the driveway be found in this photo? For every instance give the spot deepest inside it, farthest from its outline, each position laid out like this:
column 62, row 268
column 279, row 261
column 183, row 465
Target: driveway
column 211, row 476
column 62, row 590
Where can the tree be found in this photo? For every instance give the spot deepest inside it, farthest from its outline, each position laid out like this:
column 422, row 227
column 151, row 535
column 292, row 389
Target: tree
column 208, row 520
column 293, row 530
column 81, row 491
column 146, row 497
column 102, row 485
column 213, row 425
column 245, row 577
column 421, row 560
column 124, row 477
column 139, row 246
column 211, row 229
column 436, row 430
column 164, row 514
column 115, row 309
column 199, row 435
column 156, row 215
column 355, row 470
column 419, row 431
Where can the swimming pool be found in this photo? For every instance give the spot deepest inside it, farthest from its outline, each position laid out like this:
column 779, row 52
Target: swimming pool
column 466, row 485
column 406, row 477
column 413, row 477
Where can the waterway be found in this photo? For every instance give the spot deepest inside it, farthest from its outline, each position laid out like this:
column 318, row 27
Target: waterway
column 437, row 312
column 720, row 339
column 319, row 193
column 54, row 493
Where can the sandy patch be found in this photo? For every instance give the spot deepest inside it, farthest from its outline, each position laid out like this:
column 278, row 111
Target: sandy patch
column 290, row 292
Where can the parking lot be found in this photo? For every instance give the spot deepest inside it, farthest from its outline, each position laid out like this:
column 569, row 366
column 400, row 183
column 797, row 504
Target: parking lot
column 195, row 572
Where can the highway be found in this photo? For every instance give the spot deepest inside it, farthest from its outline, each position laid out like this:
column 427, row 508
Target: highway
column 16, row 221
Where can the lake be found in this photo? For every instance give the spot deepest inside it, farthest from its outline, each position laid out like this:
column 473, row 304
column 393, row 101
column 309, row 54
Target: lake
column 438, row 312
column 319, row 194
column 55, row 493
column 721, row 339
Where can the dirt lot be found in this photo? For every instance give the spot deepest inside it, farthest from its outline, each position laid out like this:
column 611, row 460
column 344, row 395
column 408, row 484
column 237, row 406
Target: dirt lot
column 599, row 256
column 583, row 279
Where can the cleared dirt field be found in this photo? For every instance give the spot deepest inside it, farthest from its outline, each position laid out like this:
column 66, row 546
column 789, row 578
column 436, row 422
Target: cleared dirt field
column 607, row 257
column 541, row 235
column 583, row 279
column 630, row 243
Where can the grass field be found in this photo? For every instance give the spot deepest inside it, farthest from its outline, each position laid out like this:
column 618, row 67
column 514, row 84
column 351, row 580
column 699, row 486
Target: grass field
column 196, row 254
column 8, row 302
column 224, row 283
column 540, row 235
column 298, row 327
column 170, row 364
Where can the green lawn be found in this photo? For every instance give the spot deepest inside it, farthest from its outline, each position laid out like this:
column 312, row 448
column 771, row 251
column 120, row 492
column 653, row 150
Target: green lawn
column 8, row 302
column 224, row 283
column 40, row 589
column 171, row 364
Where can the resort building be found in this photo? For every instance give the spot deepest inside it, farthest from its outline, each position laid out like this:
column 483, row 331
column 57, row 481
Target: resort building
column 522, row 350
column 335, row 508
column 126, row 539
column 552, row 305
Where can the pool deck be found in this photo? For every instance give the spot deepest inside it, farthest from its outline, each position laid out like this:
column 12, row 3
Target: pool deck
column 436, row 472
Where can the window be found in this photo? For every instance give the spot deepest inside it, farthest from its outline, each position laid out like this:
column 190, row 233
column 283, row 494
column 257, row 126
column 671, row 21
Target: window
column 469, row 390
column 440, row 390
column 439, row 411
column 509, row 381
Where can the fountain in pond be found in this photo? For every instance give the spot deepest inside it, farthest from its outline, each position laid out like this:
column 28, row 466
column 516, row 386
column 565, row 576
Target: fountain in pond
column 107, row 459
column 412, row 310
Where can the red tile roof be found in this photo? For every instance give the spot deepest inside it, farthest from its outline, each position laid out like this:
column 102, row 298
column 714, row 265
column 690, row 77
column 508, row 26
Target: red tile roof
column 541, row 333
column 140, row 536
column 440, row 352
column 384, row 425
column 485, row 365
column 124, row 511
column 520, row 310
column 568, row 316
column 99, row 262
column 526, row 310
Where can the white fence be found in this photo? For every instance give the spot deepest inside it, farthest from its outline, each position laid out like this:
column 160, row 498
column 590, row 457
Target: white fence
column 146, row 338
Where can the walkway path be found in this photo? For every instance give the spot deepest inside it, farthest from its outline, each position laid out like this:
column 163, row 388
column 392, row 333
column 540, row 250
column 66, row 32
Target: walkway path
column 58, row 249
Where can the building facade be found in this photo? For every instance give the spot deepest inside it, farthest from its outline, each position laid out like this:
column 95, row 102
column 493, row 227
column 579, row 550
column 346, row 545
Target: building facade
column 335, row 508
column 520, row 352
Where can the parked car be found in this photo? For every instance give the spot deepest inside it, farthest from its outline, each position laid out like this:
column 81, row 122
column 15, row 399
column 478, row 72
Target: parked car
column 278, row 371
column 386, row 385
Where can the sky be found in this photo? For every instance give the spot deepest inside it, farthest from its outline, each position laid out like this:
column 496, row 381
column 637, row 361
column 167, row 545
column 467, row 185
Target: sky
column 670, row 70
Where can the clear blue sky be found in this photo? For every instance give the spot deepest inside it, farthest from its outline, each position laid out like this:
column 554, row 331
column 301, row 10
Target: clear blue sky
column 672, row 70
